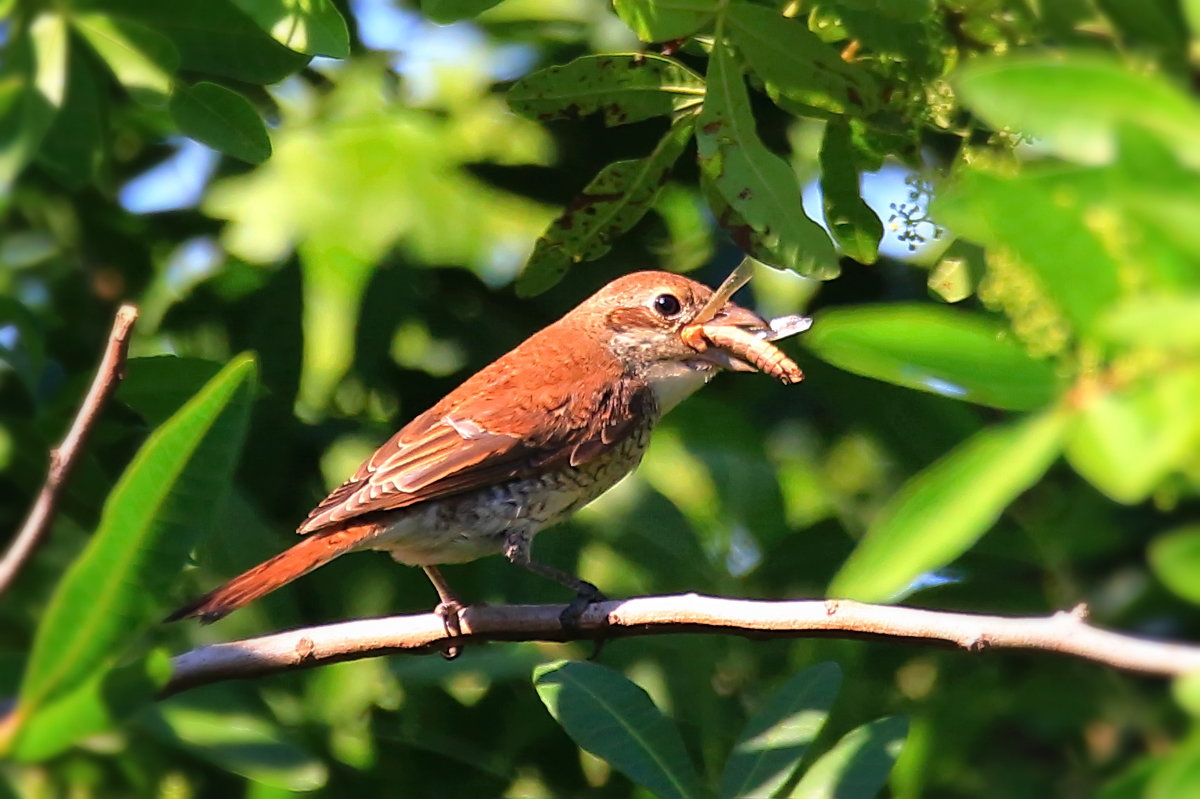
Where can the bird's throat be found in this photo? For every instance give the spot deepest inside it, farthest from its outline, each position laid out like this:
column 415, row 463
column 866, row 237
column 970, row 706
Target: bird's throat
column 674, row 381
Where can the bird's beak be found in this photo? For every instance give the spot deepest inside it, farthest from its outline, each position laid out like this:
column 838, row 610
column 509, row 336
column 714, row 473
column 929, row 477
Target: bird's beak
column 731, row 315
column 735, row 315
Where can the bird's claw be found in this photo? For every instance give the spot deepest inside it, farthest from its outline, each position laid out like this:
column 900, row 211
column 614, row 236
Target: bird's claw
column 449, row 612
column 573, row 613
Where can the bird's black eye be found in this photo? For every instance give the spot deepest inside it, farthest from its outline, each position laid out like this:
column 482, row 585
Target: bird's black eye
column 667, row 304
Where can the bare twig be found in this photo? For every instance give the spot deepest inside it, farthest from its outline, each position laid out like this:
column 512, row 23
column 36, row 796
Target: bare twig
column 64, row 457
column 1066, row 633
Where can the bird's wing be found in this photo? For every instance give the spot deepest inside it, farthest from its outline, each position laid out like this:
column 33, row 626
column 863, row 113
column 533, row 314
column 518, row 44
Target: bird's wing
column 459, row 446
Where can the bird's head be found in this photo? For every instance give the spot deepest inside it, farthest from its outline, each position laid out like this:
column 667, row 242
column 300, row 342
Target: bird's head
column 648, row 321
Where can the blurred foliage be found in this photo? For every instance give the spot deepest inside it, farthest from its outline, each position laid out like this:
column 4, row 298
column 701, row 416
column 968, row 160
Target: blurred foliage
column 609, row 715
column 1002, row 412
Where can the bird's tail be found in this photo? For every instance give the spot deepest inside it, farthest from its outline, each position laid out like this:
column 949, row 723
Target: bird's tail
column 316, row 549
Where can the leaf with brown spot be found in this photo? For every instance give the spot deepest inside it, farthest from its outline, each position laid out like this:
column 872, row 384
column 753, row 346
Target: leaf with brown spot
column 759, row 197
column 612, row 203
column 626, row 88
column 797, row 66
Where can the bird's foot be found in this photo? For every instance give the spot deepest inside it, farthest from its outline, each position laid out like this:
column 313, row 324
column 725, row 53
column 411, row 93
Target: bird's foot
column 449, row 612
column 573, row 613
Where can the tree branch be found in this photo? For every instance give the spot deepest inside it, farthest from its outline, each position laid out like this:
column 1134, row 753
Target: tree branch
column 1066, row 633
column 64, row 457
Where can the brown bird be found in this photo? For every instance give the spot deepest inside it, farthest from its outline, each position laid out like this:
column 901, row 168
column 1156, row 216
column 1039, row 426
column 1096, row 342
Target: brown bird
column 526, row 441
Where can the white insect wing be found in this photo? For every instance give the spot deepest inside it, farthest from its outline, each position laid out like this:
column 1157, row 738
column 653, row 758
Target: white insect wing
column 785, row 326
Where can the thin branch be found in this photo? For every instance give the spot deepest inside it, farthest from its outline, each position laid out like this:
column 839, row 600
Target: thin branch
column 1066, row 633
column 64, row 457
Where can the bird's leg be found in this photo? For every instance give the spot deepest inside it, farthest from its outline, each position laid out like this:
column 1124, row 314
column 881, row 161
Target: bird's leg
column 516, row 549
column 448, row 608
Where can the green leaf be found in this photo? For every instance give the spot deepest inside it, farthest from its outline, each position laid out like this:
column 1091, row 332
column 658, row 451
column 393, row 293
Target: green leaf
column 28, row 248
column 742, row 234
column 663, row 20
column 943, row 510
column 446, row 11
column 626, row 87
column 1146, row 206
column 48, row 37
column 795, row 64
column 313, row 27
column 73, row 149
column 214, row 724
column 1171, row 323
column 614, row 719
column 1186, row 688
column 143, row 60
column 1125, row 442
column 759, row 186
column 689, row 242
column 1150, row 25
column 334, row 282
column 159, row 385
column 166, row 499
column 1042, row 218
column 610, row 205
column 946, row 351
column 858, row 765
column 1179, row 773
column 777, row 737
column 854, row 225
column 33, row 76
column 906, row 33
column 1074, row 103
column 211, row 36
column 1131, row 782
column 222, row 119
column 891, row 13
column 96, row 705
column 1191, row 13
column 1175, row 558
